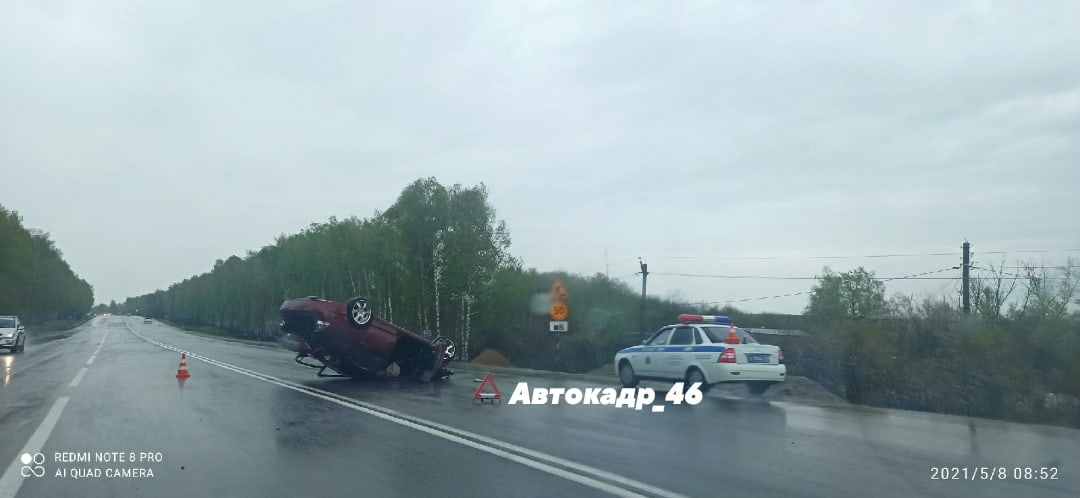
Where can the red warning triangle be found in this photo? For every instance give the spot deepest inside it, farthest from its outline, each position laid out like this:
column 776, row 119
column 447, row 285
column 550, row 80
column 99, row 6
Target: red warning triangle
column 479, row 391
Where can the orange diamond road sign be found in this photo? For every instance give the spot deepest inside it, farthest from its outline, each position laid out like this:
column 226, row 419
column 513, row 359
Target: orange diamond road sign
column 559, row 311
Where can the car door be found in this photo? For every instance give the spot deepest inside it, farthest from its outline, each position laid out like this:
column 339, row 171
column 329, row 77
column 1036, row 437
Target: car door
column 702, row 355
column 677, row 353
column 647, row 360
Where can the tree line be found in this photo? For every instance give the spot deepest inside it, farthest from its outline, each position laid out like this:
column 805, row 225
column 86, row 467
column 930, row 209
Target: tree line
column 1013, row 356
column 437, row 262
column 35, row 281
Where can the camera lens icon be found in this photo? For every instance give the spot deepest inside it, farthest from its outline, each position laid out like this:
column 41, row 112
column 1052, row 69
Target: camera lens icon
column 36, row 470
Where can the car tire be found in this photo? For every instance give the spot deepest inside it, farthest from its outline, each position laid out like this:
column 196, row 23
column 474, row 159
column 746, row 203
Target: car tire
column 627, row 375
column 758, row 387
column 359, row 313
column 451, row 348
column 694, row 374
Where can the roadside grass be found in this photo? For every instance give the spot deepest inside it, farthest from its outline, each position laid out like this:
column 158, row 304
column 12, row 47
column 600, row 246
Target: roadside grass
column 57, row 325
column 217, row 333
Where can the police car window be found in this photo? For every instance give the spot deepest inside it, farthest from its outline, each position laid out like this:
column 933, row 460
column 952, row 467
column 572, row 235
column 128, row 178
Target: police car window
column 661, row 338
column 718, row 334
column 683, row 336
column 697, row 337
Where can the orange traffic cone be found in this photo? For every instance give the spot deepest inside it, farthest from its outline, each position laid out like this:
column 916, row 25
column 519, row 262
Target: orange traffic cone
column 732, row 337
column 182, row 372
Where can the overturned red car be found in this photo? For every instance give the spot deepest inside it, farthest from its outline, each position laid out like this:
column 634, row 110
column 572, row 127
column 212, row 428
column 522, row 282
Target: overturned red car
column 348, row 339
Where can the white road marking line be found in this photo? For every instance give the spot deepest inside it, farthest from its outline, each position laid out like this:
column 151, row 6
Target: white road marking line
column 492, row 446
column 78, row 377
column 12, row 479
column 98, row 350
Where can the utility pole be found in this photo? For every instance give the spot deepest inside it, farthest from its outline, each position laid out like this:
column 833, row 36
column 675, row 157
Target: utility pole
column 965, row 288
column 644, row 280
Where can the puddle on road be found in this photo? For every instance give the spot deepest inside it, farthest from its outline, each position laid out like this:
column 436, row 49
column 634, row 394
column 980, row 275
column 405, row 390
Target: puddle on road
column 7, row 362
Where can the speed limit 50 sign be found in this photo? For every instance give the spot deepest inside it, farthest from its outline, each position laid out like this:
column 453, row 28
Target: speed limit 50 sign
column 559, row 311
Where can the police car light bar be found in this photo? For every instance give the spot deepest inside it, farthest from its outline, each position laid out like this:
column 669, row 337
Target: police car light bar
column 722, row 320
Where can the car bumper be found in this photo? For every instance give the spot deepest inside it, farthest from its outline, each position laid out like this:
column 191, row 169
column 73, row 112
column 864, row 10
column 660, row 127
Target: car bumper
column 10, row 341
column 742, row 372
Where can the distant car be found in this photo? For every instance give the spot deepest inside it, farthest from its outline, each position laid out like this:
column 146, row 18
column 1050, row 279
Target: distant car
column 147, row 320
column 12, row 334
column 705, row 349
column 349, row 339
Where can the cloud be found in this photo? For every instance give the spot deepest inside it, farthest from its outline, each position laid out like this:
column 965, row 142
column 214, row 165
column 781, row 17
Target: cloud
column 152, row 139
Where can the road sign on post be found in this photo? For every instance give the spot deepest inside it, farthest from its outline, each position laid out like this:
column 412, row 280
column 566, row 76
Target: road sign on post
column 559, row 311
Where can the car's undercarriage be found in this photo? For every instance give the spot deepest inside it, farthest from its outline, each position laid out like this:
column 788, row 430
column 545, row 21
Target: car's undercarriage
column 410, row 358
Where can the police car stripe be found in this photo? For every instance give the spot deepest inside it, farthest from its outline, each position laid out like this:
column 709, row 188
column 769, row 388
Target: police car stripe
column 675, row 349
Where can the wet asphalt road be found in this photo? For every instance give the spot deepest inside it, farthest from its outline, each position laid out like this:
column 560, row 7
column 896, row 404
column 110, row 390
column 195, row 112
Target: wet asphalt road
column 250, row 422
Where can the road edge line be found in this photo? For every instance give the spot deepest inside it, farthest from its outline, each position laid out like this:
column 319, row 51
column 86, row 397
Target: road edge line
column 487, row 444
column 11, row 481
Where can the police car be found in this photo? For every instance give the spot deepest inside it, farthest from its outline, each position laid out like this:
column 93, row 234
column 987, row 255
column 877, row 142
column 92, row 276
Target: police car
column 705, row 349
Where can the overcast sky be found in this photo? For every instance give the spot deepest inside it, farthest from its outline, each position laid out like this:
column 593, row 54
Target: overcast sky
column 152, row 138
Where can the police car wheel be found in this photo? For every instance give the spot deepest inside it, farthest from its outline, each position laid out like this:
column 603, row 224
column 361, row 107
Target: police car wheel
column 627, row 375
column 695, row 376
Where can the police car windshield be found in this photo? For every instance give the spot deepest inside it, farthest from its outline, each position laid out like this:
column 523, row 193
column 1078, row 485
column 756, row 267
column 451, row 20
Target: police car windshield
column 718, row 334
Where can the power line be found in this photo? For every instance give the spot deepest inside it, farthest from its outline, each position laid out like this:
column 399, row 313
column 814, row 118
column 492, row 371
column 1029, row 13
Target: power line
column 914, row 275
column 731, row 276
column 761, row 277
column 896, row 255
column 1027, row 278
column 759, row 298
column 905, row 277
column 1030, row 251
column 772, row 258
column 996, row 271
column 1063, row 267
column 1015, row 276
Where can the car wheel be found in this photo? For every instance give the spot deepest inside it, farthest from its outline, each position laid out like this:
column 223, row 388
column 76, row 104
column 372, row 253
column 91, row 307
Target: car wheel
column 450, row 348
column 758, row 387
column 627, row 375
column 359, row 312
column 694, row 375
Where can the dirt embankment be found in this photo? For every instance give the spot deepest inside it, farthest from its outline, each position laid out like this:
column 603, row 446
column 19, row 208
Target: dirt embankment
column 606, row 370
column 491, row 358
